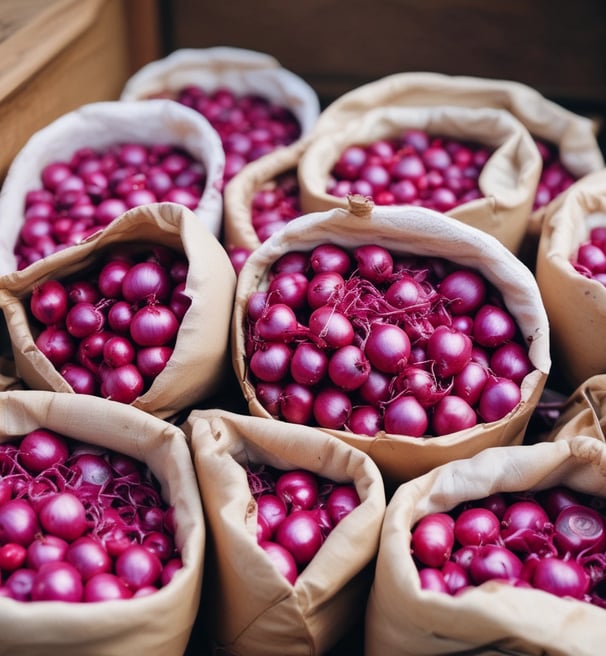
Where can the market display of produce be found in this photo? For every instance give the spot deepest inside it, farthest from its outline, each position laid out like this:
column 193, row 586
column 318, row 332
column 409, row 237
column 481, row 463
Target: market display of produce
column 322, row 335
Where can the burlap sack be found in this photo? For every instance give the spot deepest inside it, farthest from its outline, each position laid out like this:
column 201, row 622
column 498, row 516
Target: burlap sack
column 239, row 231
column 427, row 233
column 584, row 411
column 508, row 181
column 248, row 607
column 241, row 70
column 576, row 305
column 100, row 125
column 402, row 619
column 200, row 358
column 158, row 625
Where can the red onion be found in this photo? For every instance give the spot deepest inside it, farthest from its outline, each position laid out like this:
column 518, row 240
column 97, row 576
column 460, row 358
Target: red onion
column 105, row 586
column 282, row 560
column 300, row 534
column 41, row 449
column 64, row 516
column 298, row 489
column 18, row 522
column 341, row 501
column 57, row 581
column 432, row 539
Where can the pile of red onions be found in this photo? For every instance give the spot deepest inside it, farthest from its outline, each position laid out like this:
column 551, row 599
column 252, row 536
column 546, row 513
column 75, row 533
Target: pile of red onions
column 590, row 258
column 555, row 177
column 80, row 523
column 414, row 168
column 83, row 195
column 111, row 330
column 249, row 125
column 275, row 204
column 365, row 341
column 553, row 540
column 296, row 511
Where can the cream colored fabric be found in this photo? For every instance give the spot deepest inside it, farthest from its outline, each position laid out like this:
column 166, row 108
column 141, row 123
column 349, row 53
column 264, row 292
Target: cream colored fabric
column 575, row 135
column 158, row 625
column 584, row 412
column 421, row 232
column 249, row 608
column 238, row 69
column 404, row 620
column 240, row 190
column 198, row 364
column 576, row 305
column 100, row 125
column 508, row 180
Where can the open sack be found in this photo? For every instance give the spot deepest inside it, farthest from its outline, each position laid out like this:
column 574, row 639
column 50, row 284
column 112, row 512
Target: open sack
column 575, row 304
column 239, row 226
column 102, row 125
column 196, row 367
column 507, row 181
column 574, row 135
column 158, row 624
column 493, row 618
column 583, row 412
column 417, row 232
column 248, row 607
column 239, row 69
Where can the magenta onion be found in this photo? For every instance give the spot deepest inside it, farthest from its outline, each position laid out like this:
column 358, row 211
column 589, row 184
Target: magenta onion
column 282, row 559
column 18, row 522
column 57, row 581
column 300, row 534
column 579, row 529
column 41, row 449
column 433, row 539
column 298, row 489
column 64, row 516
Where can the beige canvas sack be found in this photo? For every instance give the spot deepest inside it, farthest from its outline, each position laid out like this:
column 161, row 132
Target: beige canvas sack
column 98, row 126
column 248, row 607
column 239, row 231
column 576, row 305
column 422, row 232
column 508, row 180
column 583, row 412
column 238, row 69
column 404, row 620
column 201, row 355
column 158, row 625
column 574, row 134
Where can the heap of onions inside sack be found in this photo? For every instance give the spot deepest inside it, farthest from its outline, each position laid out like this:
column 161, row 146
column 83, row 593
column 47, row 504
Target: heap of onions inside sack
column 80, row 523
column 590, row 257
column 553, row 540
column 273, row 205
column 296, row 511
column 82, row 195
column 433, row 171
column 366, row 341
column 249, row 124
column 111, row 329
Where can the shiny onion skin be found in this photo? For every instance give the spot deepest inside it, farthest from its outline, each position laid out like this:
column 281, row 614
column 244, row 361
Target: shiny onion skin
column 365, row 341
column 80, row 524
column 115, row 324
column 552, row 540
column 296, row 511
